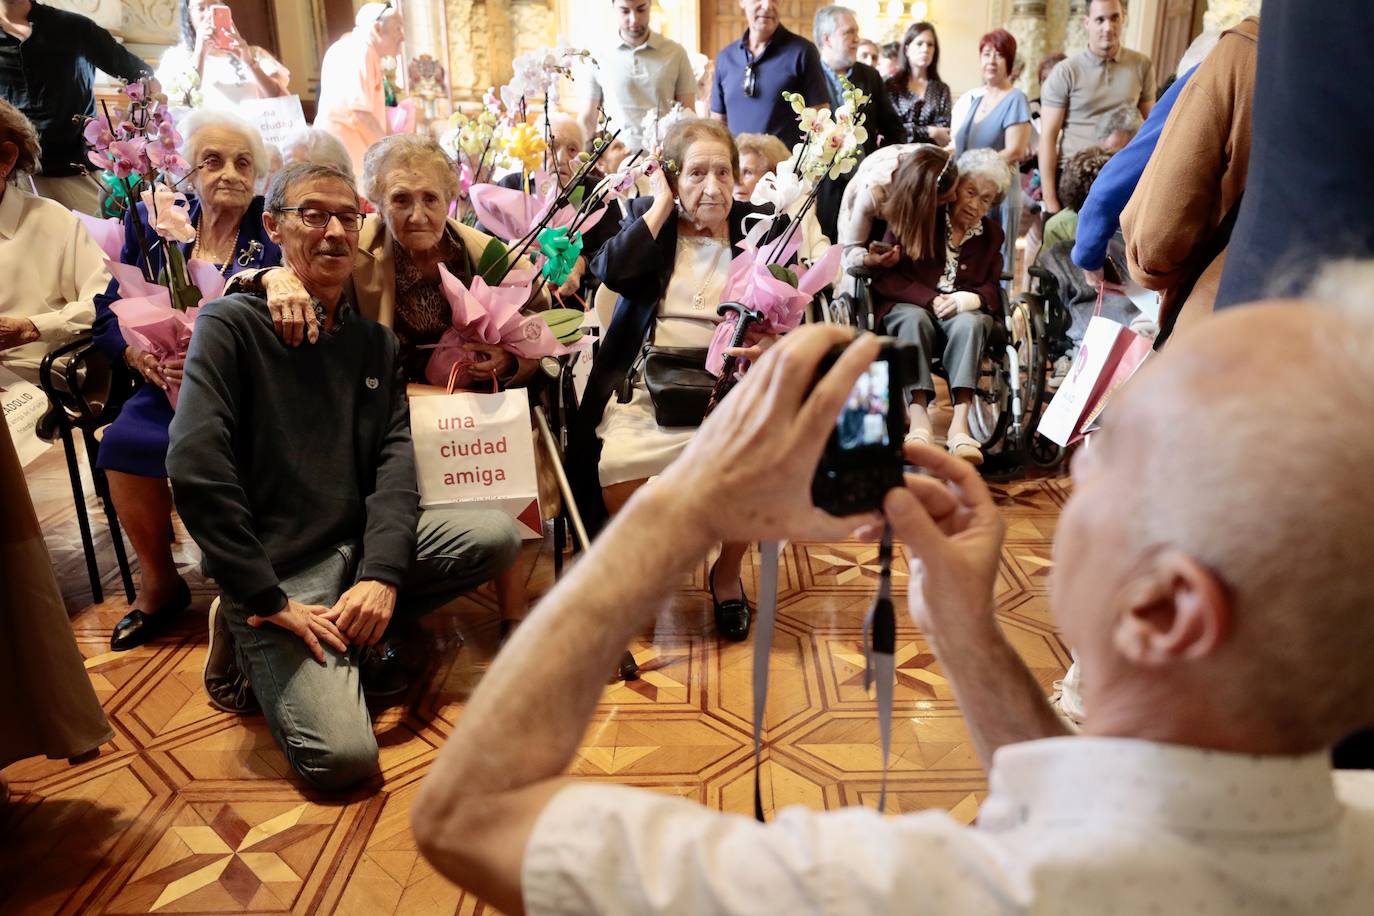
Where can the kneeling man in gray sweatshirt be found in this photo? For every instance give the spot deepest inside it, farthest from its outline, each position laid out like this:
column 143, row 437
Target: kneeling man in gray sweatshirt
column 293, row 470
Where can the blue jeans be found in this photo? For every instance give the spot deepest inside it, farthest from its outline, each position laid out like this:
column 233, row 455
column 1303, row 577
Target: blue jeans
column 316, row 712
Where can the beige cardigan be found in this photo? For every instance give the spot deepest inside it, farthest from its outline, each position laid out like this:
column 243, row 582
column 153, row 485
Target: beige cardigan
column 374, row 272
column 1196, row 175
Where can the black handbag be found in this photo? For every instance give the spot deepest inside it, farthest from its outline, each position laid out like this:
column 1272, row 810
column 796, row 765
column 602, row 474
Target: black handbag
column 678, row 384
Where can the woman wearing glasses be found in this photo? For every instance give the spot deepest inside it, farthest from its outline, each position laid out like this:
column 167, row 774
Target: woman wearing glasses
column 411, row 181
column 228, row 155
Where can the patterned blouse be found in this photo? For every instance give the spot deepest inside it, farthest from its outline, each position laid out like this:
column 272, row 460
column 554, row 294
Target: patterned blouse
column 919, row 113
column 422, row 313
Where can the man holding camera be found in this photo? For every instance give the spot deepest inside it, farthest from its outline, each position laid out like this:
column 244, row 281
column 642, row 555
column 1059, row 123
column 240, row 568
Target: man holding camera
column 1203, row 782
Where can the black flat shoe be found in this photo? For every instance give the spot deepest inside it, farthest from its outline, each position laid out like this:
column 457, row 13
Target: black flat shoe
column 138, row 627
column 733, row 615
column 507, row 631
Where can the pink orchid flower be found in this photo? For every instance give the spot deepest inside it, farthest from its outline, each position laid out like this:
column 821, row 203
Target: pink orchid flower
column 129, row 157
column 134, row 91
column 167, row 135
column 168, row 214
column 98, row 134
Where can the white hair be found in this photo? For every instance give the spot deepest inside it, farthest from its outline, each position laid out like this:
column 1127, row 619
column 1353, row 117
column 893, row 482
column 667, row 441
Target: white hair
column 321, row 148
column 370, row 13
column 987, row 165
column 1260, row 466
column 194, row 124
column 558, row 121
column 1122, row 118
column 827, row 18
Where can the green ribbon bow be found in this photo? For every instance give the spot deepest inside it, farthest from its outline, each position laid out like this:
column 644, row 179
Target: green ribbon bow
column 560, row 253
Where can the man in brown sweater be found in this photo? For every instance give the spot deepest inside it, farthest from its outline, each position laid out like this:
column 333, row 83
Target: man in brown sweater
column 1179, row 220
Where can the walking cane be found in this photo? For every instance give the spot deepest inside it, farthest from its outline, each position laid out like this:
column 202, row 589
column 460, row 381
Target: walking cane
column 745, row 317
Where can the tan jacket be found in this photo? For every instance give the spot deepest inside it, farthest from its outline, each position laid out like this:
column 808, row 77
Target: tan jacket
column 374, row 272
column 1195, row 177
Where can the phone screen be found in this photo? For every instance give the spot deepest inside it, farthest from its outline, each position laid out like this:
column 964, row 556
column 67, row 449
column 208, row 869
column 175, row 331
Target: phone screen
column 863, row 423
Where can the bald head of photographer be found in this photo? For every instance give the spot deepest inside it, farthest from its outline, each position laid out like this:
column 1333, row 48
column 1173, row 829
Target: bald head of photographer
column 1212, row 571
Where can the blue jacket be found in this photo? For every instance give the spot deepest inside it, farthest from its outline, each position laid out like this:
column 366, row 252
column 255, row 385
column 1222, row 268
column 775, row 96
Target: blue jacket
column 252, row 250
column 1100, row 217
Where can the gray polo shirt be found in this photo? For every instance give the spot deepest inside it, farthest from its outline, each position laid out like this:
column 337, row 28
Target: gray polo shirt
column 1089, row 87
column 635, row 81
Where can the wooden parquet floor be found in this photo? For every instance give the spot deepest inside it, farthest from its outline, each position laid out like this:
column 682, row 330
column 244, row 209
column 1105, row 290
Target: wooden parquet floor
column 190, row 810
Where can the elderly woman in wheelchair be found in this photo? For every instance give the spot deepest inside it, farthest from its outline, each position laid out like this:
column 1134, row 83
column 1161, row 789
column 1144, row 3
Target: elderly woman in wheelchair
column 945, row 299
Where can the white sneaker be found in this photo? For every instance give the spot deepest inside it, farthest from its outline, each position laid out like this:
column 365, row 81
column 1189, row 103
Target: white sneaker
column 1060, row 371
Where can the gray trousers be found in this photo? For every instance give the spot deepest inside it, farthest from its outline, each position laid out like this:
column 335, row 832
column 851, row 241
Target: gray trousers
column 961, row 339
column 316, row 712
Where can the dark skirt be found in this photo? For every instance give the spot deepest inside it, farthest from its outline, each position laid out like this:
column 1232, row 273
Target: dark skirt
column 136, row 442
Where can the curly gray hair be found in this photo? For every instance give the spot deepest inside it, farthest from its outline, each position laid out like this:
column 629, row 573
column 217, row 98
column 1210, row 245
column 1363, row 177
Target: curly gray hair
column 987, row 165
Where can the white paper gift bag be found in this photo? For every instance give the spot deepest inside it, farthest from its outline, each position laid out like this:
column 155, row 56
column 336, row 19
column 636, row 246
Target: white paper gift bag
column 1109, row 355
column 24, row 403
column 476, row 450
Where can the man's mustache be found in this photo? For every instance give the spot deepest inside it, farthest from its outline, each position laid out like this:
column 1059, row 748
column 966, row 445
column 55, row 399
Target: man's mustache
column 332, row 251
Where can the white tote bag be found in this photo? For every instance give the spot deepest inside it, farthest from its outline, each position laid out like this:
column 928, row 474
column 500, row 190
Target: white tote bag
column 24, row 403
column 476, row 450
column 1108, row 356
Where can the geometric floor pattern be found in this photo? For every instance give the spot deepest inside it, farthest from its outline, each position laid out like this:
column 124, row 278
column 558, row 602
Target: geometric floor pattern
column 189, row 810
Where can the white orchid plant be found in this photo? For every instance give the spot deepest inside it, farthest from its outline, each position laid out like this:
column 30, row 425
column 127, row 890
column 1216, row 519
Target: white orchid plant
column 831, row 146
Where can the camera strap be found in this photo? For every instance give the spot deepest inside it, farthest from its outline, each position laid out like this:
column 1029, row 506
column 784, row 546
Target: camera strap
column 769, row 552
column 879, row 644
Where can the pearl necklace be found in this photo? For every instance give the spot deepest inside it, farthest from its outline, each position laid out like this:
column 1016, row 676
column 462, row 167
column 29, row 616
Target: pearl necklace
column 196, row 252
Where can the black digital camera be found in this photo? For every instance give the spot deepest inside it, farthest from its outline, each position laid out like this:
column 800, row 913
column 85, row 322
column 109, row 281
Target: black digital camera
column 863, row 457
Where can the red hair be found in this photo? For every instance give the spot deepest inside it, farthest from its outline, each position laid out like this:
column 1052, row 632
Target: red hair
column 1003, row 42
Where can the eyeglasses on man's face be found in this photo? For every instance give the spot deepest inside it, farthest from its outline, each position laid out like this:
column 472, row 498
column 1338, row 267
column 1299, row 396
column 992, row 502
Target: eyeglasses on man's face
column 316, row 218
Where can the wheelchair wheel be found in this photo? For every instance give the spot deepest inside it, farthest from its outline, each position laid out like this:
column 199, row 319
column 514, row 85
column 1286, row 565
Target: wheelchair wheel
column 990, row 412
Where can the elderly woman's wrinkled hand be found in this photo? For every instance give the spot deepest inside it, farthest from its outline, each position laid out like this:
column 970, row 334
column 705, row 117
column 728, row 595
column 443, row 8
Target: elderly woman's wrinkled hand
column 146, row 365
column 945, row 306
column 172, row 370
column 493, row 362
column 292, row 309
column 574, row 282
column 746, row 475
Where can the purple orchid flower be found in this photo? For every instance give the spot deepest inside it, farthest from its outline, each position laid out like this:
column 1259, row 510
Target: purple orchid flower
column 98, row 134
column 130, row 156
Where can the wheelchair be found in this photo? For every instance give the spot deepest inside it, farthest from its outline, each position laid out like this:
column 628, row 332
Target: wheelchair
column 1044, row 297
column 1011, row 380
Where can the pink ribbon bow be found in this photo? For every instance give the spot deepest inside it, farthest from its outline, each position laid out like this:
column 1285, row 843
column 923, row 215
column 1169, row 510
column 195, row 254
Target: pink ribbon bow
column 490, row 315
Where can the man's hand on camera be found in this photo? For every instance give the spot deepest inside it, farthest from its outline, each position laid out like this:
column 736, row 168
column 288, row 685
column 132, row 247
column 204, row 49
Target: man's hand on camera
column 746, row 475
column 307, row 622
column 953, row 534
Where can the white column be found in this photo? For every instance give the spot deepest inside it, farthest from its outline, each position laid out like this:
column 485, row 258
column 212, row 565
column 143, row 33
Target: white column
column 1027, row 23
column 1075, row 35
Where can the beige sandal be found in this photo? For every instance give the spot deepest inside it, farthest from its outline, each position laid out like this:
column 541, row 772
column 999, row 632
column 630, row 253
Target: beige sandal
column 919, row 436
column 965, row 447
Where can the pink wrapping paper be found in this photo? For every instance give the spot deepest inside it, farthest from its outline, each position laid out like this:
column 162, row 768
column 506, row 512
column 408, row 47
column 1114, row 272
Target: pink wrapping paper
column 509, row 214
column 108, row 233
column 751, row 283
column 490, row 315
column 147, row 319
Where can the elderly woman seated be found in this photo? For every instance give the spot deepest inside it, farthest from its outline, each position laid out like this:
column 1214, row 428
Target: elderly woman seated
column 62, row 267
column 945, row 300
column 395, row 282
column 669, row 265
column 228, row 154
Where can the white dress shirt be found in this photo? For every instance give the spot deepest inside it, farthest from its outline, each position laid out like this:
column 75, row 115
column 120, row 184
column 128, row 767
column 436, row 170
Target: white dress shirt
column 1071, row 826
column 53, row 271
